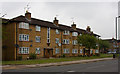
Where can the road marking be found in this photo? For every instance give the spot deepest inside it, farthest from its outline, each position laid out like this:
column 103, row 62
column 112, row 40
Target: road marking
column 94, row 67
column 70, row 71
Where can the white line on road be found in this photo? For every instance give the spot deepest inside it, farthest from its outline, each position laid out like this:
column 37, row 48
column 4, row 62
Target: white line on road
column 94, row 67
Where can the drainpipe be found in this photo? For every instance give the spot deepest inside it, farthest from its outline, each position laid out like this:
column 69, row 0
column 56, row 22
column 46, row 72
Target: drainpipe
column 16, row 41
column 61, row 42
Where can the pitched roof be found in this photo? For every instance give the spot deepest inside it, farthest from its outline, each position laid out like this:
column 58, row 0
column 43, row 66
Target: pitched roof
column 43, row 23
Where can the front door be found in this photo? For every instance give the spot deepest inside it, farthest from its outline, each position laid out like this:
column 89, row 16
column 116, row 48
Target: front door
column 48, row 53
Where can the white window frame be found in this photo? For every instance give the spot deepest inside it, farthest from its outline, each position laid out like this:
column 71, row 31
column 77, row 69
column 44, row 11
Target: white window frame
column 81, row 51
column 96, row 51
column 74, row 34
column 39, row 39
column 74, row 51
column 66, row 51
column 74, row 42
column 23, row 37
column 57, row 40
column 48, row 37
column 57, row 50
column 38, row 28
column 66, row 41
column 23, row 50
column 37, row 51
column 57, row 31
column 66, row 32
column 24, row 25
column 91, row 51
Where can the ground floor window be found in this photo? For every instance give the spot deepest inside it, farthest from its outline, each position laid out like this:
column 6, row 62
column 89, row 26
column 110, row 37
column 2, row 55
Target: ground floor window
column 91, row 51
column 96, row 51
column 23, row 50
column 37, row 51
column 74, row 51
column 56, row 50
column 66, row 50
column 81, row 51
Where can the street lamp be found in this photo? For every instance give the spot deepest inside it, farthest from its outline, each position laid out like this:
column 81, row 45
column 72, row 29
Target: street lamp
column 116, row 30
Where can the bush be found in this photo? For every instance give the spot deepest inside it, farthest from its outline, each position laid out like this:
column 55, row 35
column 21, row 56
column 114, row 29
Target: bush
column 97, row 54
column 19, row 57
column 32, row 56
column 63, row 56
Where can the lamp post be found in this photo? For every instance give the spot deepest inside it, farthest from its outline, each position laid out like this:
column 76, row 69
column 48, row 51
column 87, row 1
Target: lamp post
column 116, row 30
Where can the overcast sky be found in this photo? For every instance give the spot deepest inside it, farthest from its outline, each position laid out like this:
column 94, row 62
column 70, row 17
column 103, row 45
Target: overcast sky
column 100, row 16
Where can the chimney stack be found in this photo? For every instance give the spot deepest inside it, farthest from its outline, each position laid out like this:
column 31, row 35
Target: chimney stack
column 55, row 21
column 28, row 15
column 88, row 28
column 73, row 26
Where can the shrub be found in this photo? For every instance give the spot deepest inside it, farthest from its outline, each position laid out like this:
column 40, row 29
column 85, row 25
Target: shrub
column 19, row 57
column 97, row 54
column 63, row 55
column 32, row 56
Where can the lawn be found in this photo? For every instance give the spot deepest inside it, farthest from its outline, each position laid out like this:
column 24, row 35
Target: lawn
column 53, row 60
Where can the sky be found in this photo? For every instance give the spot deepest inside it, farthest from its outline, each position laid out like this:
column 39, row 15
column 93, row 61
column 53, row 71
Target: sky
column 100, row 16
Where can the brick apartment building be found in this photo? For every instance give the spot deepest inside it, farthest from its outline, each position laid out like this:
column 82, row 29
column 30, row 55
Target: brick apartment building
column 24, row 35
column 114, row 45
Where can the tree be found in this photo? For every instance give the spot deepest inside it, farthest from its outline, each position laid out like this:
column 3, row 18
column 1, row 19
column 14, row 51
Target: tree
column 103, row 45
column 89, row 41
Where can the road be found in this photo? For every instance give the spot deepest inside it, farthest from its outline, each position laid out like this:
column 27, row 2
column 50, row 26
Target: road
column 100, row 66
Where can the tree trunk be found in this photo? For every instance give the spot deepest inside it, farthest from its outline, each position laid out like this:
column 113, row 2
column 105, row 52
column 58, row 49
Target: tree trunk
column 89, row 52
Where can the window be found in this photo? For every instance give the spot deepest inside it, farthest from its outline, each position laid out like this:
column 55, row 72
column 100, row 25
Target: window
column 74, row 51
column 74, row 34
column 24, row 25
column 37, row 28
column 37, row 38
column 56, row 50
column 66, row 32
column 23, row 50
column 96, row 51
column 57, row 31
column 23, row 37
column 74, row 42
column 81, row 51
column 37, row 51
column 65, row 41
column 91, row 51
column 66, row 50
column 48, row 35
column 57, row 40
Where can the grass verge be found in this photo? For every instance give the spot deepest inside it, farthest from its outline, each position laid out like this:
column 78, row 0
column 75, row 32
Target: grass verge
column 53, row 60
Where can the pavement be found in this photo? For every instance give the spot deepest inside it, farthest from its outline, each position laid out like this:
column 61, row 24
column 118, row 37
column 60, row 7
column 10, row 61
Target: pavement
column 6, row 67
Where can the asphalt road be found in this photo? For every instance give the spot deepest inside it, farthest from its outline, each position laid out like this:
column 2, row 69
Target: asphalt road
column 100, row 66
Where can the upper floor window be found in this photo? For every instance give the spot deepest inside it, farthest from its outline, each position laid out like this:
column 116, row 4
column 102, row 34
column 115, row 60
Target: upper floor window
column 57, row 40
column 66, row 32
column 37, row 28
column 37, row 38
column 37, row 51
column 23, row 50
column 57, row 31
column 74, row 34
column 65, row 41
column 56, row 50
column 66, row 51
column 23, row 37
column 74, row 42
column 24, row 25
column 74, row 51
column 48, row 35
